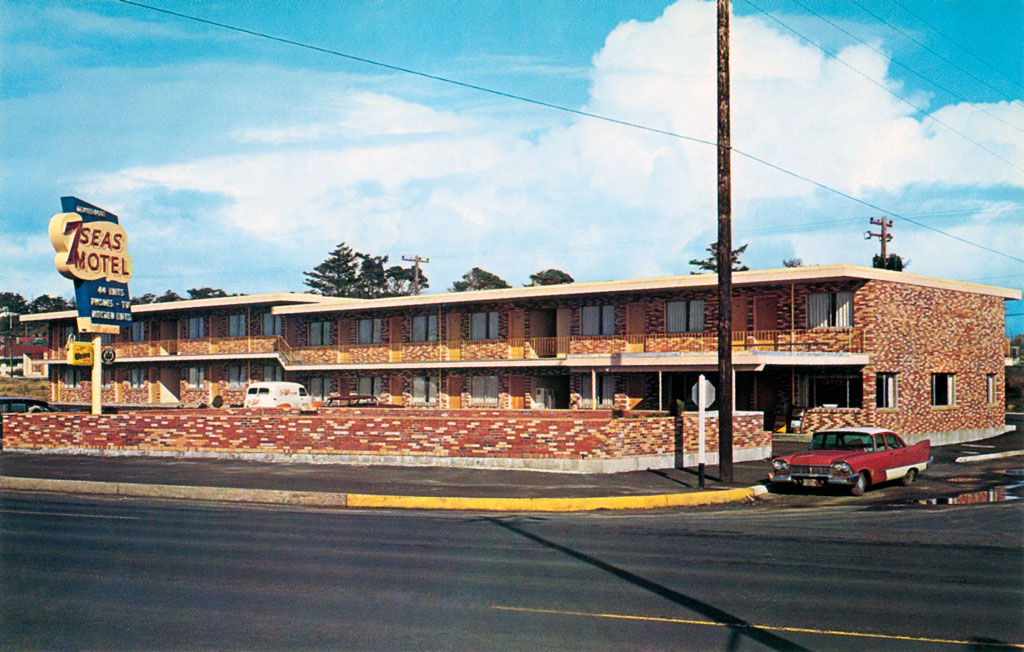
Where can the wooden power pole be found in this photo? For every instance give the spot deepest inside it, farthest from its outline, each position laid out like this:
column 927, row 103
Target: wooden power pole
column 416, row 260
column 884, row 236
column 724, row 252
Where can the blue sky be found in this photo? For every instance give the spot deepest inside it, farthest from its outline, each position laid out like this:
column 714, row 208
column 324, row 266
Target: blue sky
column 239, row 162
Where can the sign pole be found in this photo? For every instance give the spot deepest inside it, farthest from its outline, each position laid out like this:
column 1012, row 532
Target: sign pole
column 701, row 460
column 97, row 374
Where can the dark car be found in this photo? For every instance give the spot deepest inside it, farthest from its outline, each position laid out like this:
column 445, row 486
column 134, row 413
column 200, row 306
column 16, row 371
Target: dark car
column 19, row 405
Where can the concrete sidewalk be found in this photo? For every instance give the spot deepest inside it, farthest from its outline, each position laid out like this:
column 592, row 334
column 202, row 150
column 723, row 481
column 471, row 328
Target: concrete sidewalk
column 378, row 486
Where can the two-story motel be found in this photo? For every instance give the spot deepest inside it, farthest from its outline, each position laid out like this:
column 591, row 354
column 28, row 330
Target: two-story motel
column 812, row 347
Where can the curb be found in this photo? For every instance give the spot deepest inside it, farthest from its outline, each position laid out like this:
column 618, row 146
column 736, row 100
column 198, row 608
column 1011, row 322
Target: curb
column 325, row 499
column 987, row 456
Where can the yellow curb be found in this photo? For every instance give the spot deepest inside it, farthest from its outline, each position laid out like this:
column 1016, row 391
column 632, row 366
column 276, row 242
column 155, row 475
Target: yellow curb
column 328, row 499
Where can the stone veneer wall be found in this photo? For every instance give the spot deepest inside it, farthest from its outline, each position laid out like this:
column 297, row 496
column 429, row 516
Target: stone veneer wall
column 582, row 441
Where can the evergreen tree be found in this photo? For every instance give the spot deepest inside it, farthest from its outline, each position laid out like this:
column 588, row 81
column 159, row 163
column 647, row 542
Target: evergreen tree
column 337, row 275
column 711, row 262
column 206, row 293
column 169, row 296
column 349, row 273
column 479, row 279
column 13, row 302
column 46, row 303
column 550, row 277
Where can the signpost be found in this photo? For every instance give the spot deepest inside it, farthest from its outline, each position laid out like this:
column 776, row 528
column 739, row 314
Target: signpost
column 92, row 250
column 703, row 394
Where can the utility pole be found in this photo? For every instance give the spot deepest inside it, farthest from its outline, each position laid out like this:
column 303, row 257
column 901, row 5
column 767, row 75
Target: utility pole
column 884, row 236
column 725, row 390
column 416, row 270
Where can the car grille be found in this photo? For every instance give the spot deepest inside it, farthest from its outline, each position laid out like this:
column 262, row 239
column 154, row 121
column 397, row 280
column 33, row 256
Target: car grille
column 807, row 469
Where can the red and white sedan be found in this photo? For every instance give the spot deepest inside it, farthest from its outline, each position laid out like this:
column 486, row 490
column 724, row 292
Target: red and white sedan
column 853, row 457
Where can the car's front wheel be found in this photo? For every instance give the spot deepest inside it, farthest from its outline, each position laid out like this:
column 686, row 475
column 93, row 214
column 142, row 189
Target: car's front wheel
column 909, row 478
column 861, row 486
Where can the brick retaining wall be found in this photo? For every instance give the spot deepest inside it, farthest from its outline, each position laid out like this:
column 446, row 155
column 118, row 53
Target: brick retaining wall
column 500, row 438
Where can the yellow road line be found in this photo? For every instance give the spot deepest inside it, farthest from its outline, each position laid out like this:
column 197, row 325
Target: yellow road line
column 770, row 628
column 18, row 511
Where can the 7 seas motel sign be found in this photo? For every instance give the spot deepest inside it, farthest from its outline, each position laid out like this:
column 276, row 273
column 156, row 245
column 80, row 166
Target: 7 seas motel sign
column 92, row 250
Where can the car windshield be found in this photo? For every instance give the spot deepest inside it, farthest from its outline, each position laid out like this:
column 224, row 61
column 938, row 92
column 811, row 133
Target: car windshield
column 848, row 441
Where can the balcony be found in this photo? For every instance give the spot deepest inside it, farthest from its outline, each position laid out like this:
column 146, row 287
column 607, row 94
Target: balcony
column 831, row 340
column 210, row 346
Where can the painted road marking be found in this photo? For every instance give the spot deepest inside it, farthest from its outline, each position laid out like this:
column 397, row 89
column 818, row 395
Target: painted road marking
column 18, row 511
column 769, row 628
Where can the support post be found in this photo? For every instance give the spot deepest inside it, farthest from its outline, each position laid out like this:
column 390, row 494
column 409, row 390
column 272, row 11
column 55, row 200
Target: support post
column 97, row 374
column 701, row 442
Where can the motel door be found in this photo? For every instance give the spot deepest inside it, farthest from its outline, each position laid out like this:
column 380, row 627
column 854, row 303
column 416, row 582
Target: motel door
column 453, row 335
column 635, row 326
column 517, row 333
column 454, row 392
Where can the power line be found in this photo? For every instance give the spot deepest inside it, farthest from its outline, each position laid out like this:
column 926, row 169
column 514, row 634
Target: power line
column 951, row 40
column 595, row 116
column 883, row 87
column 906, row 67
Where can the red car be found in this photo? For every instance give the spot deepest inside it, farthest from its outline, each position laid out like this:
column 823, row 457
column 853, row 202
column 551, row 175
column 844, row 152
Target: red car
column 853, row 457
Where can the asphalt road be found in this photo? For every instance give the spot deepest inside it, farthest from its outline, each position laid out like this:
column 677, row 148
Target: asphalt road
column 78, row 573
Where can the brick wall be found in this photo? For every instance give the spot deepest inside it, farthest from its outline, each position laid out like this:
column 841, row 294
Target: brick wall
column 436, row 433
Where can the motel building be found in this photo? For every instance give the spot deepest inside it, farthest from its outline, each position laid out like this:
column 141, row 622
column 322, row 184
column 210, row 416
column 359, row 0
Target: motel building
column 813, row 347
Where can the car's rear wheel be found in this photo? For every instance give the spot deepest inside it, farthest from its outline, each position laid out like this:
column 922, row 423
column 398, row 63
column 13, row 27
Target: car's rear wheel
column 909, row 478
column 861, row 486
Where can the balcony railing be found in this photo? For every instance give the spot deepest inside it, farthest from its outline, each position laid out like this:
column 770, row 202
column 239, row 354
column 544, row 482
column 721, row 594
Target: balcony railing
column 831, row 340
column 825, row 340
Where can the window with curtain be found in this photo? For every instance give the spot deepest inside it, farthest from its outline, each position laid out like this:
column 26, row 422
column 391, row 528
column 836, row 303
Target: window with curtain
column 484, row 326
column 138, row 332
column 272, row 372
column 605, row 390
column 319, row 333
column 237, row 326
column 369, row 385
column 424, row 389
column 195, row 377
column 885, row 390
column 272, row 324
column 235, row 374
column 597, row 320
column 369, row 331
column 483, row 390
column 830, row 310
column 196, row 328
column 684, row 316
column 136, row 378
column 319, row 387
column 424, row 328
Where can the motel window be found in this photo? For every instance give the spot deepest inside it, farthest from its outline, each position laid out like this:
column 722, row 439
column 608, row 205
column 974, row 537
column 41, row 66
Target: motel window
column 885, row 390
column 72, row 378
column 484, row 326
column 370, row 331
column 237, row 326
column 598, row 320
column 196, row 328
column 272, row 372
column 684, row 316
column 195, row 377
column 838, row 390
column 424, row 389
column 319, row 387
column 319, row 333
column 108, row 378
column 830, row 310
column 138, row 332
column 272, row 324
column 605, row 390
column 990, row 388
column 235, row 374
column 483, row 390
column 369, row 385
column 136, row 378
column 424, row 328
column 943, row 390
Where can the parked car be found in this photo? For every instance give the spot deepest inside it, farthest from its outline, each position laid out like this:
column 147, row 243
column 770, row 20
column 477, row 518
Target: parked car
column 277, row 394
column 18, row 405
column 355, row 400
column 853, row 457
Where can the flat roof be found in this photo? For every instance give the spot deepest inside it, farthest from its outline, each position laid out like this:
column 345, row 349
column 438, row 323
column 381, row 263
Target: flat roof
column 749, row 278
column 213, row 302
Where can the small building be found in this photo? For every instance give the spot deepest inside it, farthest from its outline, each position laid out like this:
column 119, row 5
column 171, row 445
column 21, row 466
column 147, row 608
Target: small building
column 813, row 347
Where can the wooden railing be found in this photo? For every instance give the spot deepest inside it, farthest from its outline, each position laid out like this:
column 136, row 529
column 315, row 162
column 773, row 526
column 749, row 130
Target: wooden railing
column 824, row 340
